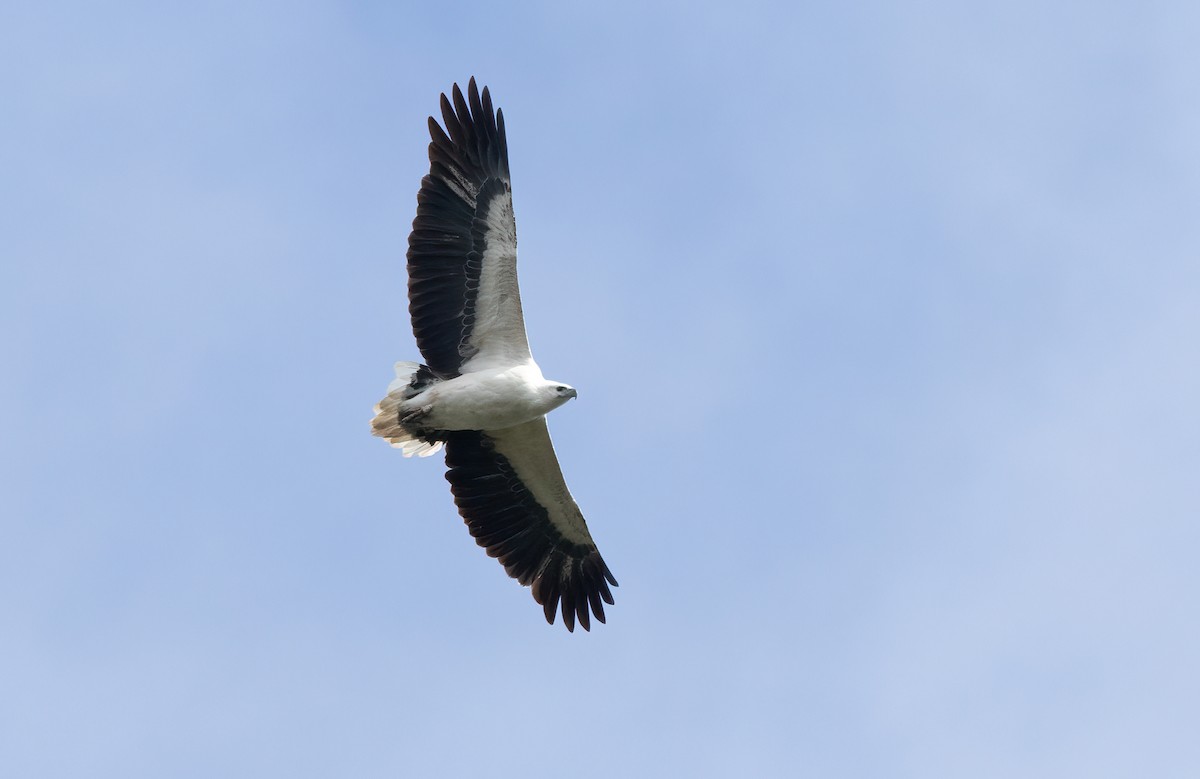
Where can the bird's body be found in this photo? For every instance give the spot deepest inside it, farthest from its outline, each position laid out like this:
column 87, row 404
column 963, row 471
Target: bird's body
column 490, row 399
column 480, row 393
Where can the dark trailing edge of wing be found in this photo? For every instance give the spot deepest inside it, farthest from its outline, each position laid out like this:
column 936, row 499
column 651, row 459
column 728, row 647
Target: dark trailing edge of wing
column 506, row 520
column 444, row 252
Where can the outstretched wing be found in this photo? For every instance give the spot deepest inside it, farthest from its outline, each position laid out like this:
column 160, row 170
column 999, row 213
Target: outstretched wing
column 462, row 253
column 510, row 491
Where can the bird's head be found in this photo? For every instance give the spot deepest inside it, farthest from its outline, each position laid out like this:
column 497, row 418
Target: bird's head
column 558, row 393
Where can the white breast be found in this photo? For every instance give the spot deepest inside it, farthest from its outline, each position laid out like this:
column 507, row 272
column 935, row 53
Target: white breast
column 487, row 400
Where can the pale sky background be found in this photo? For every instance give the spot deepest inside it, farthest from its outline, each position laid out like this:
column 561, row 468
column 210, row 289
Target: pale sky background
column 885, row 319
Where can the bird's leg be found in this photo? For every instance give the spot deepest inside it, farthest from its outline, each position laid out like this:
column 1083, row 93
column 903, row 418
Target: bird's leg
column 413, row 417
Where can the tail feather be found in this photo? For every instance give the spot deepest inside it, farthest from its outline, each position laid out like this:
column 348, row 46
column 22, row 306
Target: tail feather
column 411, row 379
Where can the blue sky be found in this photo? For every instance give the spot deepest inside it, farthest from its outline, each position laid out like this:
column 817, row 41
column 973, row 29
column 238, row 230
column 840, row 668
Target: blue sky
column 884, row 318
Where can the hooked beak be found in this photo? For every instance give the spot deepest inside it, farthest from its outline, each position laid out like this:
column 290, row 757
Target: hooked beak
column 572, row 393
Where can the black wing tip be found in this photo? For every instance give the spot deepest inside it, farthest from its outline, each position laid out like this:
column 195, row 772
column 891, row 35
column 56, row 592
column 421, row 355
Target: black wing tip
column 471, row 87
column 574, row 585
column 475, row 129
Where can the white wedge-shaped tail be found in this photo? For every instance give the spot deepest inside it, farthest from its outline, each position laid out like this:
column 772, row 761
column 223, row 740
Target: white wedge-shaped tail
column 386, row 423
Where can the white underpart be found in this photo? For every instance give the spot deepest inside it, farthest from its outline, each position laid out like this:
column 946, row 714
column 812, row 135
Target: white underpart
column 485, row 400
column 498, row 336
column 488, row 399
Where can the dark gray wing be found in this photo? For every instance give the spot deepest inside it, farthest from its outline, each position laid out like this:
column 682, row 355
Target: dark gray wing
column 509, row 488
column 462, row 252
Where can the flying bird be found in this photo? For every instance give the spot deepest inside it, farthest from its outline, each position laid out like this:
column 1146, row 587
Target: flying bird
column 479, row 392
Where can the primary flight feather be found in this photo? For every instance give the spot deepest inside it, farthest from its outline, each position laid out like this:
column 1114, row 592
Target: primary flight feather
column 480, row 394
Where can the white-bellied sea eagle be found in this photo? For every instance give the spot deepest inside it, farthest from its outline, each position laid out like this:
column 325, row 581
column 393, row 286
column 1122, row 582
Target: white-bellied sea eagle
column 479, row 393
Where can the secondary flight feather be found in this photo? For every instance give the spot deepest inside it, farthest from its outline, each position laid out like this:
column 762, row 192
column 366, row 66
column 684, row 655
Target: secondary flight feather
column 479, row 393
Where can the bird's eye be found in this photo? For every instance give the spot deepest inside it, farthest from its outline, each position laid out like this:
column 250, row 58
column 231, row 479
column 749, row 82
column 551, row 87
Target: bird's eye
column 561, row 389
